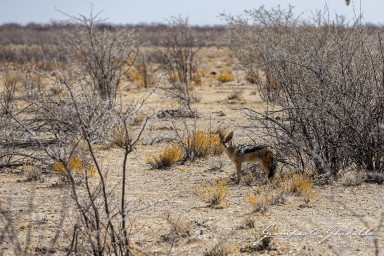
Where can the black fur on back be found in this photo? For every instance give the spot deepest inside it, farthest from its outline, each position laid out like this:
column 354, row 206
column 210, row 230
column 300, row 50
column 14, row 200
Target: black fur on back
column 244, row 149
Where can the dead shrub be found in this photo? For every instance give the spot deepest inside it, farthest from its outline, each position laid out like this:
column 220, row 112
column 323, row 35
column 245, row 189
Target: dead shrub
column 50, row 128
column 8, row 96
column 318, row 77
column 179, row 63
column 140, row 73
column 99, row 54
column 33, row 83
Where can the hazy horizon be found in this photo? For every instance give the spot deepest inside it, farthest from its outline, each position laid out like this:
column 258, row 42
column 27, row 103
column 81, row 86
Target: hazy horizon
column 198, row 12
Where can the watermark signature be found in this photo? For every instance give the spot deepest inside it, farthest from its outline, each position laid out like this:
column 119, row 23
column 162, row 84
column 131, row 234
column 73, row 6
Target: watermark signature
column 321, row 235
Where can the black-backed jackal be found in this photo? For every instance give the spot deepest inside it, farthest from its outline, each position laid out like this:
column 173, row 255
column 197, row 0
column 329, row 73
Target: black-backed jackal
column 264, row 154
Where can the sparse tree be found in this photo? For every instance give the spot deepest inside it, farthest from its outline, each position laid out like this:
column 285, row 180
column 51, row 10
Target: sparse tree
column 66, row 120
column 327, row 105
column 100, row 53
column 179, row 62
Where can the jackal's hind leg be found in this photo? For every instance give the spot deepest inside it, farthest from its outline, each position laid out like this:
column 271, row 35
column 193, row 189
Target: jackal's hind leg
column 238, row 171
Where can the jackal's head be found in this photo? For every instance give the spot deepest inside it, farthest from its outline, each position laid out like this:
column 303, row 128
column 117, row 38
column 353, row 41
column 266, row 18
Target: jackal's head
column 226, row 141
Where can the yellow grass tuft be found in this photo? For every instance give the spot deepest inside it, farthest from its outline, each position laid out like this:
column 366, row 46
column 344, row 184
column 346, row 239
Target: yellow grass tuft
column 134, row 75
column 213, row 192
column 167, row 157
column 196, row 79
column 226, row 77
column 224, row 248
column 298, row 184
column 259, row 203
column 76, row 166
column 140, row 76
column 204, row 143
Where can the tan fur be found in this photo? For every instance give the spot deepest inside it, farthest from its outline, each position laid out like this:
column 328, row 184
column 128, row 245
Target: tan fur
column 265, row 156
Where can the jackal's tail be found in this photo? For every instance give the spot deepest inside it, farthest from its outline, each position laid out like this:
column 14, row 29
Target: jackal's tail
column 273, row 168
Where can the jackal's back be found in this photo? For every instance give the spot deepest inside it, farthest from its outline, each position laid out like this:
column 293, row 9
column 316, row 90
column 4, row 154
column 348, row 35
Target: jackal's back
column 260, row 149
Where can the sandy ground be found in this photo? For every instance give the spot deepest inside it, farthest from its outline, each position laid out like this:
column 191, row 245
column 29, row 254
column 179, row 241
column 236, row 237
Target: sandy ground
column 338, row 220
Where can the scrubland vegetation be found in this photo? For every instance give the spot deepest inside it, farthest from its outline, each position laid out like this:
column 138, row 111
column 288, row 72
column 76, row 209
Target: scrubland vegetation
column 109, row 137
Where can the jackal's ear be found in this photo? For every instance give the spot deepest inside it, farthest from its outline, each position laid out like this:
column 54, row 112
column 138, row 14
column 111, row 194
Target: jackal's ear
column 221, row 136
column 229, row 137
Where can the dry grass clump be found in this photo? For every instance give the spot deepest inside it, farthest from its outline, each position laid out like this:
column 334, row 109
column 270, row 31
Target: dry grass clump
column 223, row 249
column 249, row 223
column 31, row 172
column 213, row 192
column 225, row 77
column 236, row 94
column 196, row 79
column 12, row 79
column 180, row 227
column 8, row 94
column 198, row 144
column 139, row 119
column 202, row 144
column 299, row 184
column 118, row 136
column 76, row 166
column 351, row 177
column 34, row 82
column 140, row 76
column 259, row 203
column 265, row 241
column 134, row 75
column 167, row 157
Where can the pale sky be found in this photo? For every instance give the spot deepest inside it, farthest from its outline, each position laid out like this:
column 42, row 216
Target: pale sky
column 199, row 12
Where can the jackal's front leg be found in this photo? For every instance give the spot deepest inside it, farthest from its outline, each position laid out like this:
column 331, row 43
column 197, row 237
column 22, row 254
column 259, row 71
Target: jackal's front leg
column 238, row 171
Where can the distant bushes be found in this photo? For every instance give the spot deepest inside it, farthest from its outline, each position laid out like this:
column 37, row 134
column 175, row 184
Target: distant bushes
column 45, row 57
column 39, row 44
